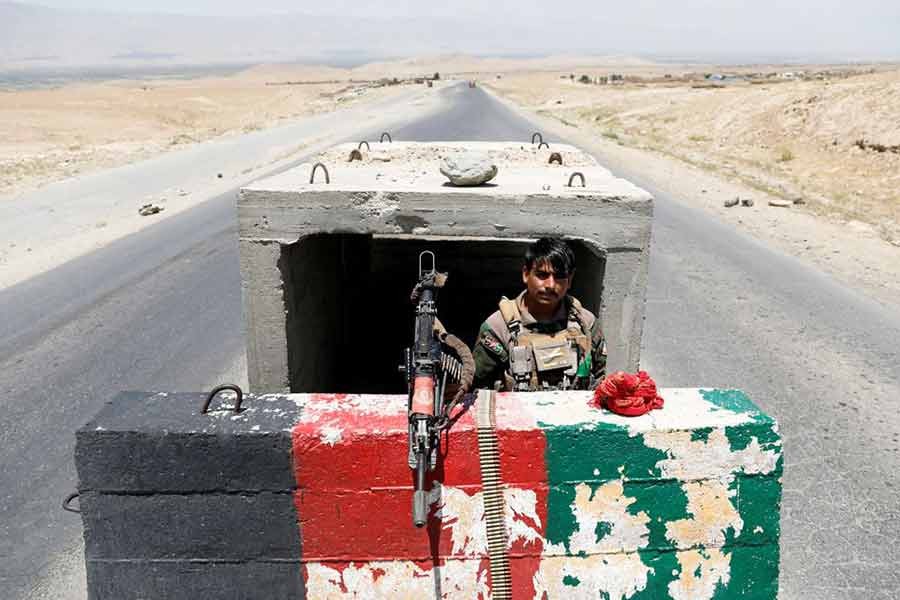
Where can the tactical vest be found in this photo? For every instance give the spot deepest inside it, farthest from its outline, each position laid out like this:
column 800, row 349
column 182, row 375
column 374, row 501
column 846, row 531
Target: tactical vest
column 547, row 361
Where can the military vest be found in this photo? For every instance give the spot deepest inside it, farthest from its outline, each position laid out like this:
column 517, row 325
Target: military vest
column 547, row 361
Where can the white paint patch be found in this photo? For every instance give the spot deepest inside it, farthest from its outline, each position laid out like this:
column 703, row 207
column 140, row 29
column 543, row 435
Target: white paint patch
column 612, row 576
column 713, row 513
column 557, row 409
column 324, row 408
column 686, row 408
column 463, row 515
column 397, row 580
column 690, row 460
column 607, row 504
column 701, row 572
column 612, row 569
column 330, row 435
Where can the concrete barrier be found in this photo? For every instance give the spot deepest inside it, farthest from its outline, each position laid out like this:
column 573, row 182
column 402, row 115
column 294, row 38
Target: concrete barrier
column 181, row 505
column 309, row 495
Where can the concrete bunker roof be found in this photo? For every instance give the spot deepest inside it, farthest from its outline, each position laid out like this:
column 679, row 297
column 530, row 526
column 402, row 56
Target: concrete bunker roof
column 524, row 170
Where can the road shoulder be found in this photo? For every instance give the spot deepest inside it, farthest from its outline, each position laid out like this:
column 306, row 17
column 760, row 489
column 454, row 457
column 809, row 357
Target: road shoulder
column 46, row 228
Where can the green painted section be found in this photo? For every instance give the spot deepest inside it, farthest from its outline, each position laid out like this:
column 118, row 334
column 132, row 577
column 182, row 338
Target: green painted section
column 702, row 434
column 571, row 581
column 602, row 530
column 754, row 573
column 561, row 522
column 665, row 569
column 662, row 501
column 759, row 504
column 735, row 401
column 596, row 453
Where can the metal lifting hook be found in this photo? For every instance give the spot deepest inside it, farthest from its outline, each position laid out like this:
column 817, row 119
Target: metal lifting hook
column 221, row 388
column 67, row 503
column 573, row 176
column 312, row 175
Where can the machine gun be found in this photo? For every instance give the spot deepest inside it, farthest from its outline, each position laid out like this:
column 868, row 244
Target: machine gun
column 435, row 360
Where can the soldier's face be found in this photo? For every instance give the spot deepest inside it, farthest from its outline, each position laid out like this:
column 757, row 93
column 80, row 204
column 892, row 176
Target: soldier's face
column 543, row 285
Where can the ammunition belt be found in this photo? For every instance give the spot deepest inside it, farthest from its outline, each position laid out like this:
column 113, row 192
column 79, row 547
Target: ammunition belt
column 492, row 493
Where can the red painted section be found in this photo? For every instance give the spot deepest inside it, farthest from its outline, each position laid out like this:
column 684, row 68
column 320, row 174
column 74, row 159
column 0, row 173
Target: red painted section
column 355, row 488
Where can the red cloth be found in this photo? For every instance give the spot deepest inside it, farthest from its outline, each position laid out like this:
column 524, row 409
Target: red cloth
column 627, row 394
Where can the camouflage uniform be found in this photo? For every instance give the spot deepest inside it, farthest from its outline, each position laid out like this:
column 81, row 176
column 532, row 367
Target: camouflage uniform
column 572, row 323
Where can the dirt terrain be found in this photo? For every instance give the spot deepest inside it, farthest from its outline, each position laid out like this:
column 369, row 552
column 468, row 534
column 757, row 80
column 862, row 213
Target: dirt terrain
column 50, row 134
column 827, row 138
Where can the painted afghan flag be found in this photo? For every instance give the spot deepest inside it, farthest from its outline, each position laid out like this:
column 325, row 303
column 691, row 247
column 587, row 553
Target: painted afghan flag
column 680, row 503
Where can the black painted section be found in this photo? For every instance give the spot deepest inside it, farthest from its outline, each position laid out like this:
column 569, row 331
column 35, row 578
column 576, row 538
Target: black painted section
column 189, row 526
column 179, row 504
column 142, row 442
column 195, row 580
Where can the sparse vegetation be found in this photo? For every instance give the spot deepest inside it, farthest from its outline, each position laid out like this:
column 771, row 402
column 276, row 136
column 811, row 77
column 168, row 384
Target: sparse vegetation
column 845, row 141
column 584, row 79
column 863, row 144
column 785, row 155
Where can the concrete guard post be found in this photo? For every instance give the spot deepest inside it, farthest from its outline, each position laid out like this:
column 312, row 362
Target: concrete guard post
column 305, row 247
column 308, row 496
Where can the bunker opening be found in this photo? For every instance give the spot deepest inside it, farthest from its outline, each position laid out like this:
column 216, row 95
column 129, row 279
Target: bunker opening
column 348, row 309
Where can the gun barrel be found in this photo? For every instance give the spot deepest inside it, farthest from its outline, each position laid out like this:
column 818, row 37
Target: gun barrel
column 420, row 504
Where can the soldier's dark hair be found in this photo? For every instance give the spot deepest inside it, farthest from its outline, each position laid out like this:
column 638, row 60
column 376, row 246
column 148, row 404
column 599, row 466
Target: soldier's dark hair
column 553, row 250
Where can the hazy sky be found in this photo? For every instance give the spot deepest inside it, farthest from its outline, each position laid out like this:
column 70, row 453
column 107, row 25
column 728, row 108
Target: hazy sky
column 850, row 28
column 811, row 13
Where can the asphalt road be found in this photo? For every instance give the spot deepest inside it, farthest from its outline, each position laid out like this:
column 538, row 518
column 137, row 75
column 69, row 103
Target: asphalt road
column 161, row 310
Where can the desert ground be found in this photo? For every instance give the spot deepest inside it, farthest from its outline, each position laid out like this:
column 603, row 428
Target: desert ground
column 824, row 137
column 49, row 134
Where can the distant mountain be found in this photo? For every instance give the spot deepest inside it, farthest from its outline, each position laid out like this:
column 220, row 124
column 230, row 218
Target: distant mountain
column 38, row 37
column 34, row 37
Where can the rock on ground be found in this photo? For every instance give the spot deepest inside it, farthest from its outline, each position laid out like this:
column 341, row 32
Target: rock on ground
column 468, row 169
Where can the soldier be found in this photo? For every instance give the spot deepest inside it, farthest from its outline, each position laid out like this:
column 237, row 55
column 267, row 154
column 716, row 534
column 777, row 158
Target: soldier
column 544, row 339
